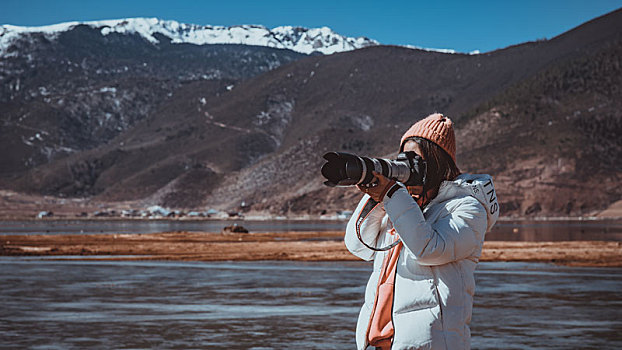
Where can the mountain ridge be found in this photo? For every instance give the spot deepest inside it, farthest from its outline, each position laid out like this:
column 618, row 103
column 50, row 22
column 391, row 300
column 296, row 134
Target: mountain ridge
column 303, row 40
column 80, row 90
column 524, row 114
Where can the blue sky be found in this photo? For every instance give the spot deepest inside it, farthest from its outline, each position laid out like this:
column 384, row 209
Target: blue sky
column 462, row 25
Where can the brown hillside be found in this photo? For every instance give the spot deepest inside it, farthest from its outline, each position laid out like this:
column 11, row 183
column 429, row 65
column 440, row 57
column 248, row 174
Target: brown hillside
column 541, row 117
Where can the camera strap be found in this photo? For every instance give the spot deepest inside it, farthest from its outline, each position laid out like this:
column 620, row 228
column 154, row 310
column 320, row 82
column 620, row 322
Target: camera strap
column 367, row 209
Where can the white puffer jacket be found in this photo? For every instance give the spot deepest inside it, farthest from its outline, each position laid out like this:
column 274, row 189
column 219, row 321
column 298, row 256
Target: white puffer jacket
column 434, row 283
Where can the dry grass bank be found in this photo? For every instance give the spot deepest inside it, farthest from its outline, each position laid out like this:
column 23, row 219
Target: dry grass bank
column 298, row 246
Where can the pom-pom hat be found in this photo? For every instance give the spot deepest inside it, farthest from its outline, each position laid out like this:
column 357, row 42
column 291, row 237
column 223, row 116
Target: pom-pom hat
column 436, row 128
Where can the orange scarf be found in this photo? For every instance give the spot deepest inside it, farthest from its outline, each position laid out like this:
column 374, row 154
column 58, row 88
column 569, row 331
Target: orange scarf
column 380, row 330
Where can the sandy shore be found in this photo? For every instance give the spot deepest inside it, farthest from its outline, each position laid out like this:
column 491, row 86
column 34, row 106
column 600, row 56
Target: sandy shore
column 296, row 246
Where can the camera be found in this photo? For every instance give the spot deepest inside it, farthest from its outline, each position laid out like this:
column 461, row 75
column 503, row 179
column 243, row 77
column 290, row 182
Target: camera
column 345, row 169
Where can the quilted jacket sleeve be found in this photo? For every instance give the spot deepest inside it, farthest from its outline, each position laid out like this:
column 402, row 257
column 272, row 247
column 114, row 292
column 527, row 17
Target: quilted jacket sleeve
column 454, row 236
column 368, row 215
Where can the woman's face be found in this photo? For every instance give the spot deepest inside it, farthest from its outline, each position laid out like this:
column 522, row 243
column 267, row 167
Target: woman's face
column 411, row 145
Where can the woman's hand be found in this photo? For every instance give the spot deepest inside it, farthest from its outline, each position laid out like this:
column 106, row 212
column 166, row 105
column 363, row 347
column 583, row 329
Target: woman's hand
column 378, row 187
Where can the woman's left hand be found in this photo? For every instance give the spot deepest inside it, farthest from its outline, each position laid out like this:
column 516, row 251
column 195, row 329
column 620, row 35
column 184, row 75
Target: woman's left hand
column 378, row 187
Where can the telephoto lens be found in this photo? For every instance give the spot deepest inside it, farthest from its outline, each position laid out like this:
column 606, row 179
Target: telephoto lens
column 345, row 169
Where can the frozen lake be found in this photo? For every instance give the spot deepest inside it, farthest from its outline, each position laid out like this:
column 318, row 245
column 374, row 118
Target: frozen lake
column 50, row 304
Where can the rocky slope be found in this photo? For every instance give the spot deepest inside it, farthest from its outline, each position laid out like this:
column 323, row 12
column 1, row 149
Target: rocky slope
column 542, row 117
column 73, row 86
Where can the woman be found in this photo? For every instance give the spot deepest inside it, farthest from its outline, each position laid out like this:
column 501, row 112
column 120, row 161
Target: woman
column 420, row 293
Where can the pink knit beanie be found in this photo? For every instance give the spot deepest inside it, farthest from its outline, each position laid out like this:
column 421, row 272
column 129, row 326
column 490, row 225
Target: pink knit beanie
column 436, row 128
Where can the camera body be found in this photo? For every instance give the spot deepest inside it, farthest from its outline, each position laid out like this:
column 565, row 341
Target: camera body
column 345, row 169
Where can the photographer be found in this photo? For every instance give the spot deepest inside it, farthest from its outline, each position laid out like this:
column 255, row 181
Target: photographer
column 420, row 293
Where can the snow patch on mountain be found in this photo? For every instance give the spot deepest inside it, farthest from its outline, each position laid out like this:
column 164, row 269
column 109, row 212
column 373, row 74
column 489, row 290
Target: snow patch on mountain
column 449, row 51
column 298, row 39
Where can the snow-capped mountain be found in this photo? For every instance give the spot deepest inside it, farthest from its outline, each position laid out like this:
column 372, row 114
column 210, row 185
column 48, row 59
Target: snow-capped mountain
column 303, row 40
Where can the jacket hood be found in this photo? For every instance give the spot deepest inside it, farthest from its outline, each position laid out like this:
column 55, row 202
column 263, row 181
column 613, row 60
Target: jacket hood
column 479, row 186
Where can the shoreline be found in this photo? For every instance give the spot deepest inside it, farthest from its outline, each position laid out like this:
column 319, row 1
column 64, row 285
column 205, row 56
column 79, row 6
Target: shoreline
column 61, row 218
column 292, row 246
